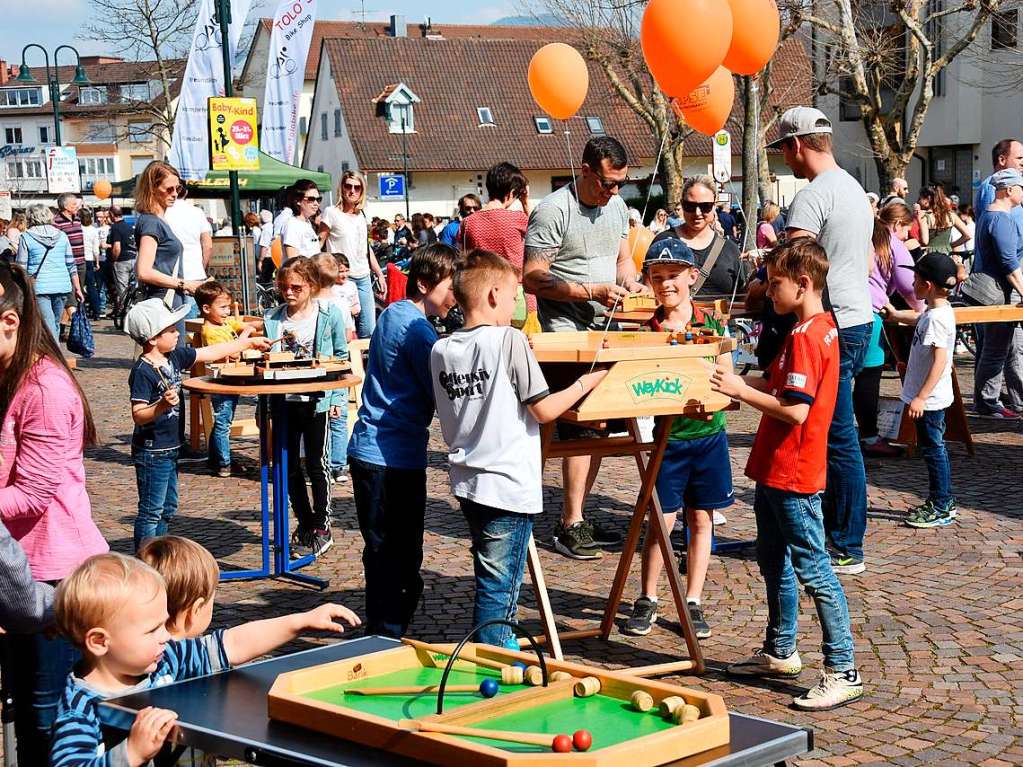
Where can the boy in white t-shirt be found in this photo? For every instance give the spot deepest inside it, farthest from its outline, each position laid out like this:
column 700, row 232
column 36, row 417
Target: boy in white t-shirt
column 927, row 388
column 491, row 397
column 344, row 288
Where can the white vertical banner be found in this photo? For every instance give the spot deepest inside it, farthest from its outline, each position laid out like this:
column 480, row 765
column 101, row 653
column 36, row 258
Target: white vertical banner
column 285, row 77
column 204, row 77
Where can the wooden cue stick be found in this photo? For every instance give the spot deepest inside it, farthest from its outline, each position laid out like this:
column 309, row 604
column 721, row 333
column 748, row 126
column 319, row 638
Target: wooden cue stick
column 466, row 656
column 413, row 689
column 527, row 738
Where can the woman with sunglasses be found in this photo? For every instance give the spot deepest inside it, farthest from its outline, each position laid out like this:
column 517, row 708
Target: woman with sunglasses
column 348, row 236
column 160, row 265
column 298, row 236
column 46, row 424
column 699, row 196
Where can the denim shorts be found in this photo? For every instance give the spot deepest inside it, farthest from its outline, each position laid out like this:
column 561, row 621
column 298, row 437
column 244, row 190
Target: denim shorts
column 696, row 474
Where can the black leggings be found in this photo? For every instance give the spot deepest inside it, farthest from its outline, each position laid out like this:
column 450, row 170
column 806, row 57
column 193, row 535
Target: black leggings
column 307, row 426
column 866, row 396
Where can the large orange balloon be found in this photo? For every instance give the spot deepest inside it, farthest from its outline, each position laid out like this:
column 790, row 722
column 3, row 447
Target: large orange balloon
column 102, row 189
column 558, row 79
column 684, row 41
column 754, row 35
column 707, row 108
column 639, row 243
column 275, row 252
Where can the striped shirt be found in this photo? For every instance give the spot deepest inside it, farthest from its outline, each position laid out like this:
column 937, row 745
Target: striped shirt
column 72, row 227
column 78, row 739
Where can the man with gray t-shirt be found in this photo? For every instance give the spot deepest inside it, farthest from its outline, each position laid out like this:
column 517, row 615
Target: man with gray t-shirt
column 835, row 211
column 578, row 264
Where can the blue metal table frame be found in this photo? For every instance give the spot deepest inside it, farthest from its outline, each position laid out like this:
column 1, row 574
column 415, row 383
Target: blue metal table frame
column 225, row 714
column 276, row 561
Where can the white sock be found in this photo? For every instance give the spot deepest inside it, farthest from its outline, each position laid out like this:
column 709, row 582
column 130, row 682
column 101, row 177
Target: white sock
column 693, row 600
column 652, row 599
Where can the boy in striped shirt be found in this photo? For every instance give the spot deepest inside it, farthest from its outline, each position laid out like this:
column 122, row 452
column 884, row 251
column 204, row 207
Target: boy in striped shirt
column 114, row 608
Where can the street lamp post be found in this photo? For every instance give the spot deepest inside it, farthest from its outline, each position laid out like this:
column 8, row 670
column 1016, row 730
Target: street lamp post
column 53, row 79
column 404, row 163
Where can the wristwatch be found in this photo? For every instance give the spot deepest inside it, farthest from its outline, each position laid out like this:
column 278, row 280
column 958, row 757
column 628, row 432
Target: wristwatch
column 181, row 286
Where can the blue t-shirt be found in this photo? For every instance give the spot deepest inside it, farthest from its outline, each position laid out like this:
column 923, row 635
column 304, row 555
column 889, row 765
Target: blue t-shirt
column 449, row 234
column 397, row 394
column 982, row 200
column 169, row 258
column 147, row 385
column 999, row 246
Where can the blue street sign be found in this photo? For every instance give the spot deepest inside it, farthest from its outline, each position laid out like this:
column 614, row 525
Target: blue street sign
column 392, row 186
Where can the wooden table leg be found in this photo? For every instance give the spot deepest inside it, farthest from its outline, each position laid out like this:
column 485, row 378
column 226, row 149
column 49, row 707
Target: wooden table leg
column 543, row 601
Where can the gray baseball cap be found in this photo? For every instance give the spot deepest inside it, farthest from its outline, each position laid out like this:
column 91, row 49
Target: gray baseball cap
column 1003, row 179
column 149, row 318
column 801, row 121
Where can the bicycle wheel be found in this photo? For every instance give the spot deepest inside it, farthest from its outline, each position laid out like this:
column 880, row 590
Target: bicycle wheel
column 744, row 354
column 965, row 335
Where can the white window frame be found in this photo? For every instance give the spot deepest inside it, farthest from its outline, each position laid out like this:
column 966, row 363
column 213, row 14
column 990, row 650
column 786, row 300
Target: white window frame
column 21, row 97
column 147, row 96
column 543, row 125
column 140, row 133
column 92, row 94
column 14, row 136
column 595, row 125
column 485, row 115
column 24, row 170
column 397, row 109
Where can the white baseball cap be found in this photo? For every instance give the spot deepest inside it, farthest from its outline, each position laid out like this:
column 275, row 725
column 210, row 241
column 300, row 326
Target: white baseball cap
column 801, row 121
column 149, row 318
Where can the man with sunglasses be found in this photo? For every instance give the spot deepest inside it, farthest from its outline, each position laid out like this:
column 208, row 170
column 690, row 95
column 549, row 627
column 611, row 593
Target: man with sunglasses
column 834, row 210
column 467, row 205
column 578, row 264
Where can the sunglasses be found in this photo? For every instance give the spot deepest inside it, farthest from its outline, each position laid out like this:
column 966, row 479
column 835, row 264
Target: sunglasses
column 311, row 199
column 470, row 209
column 607, row 184
column 353, row 187
column 296, row 288
column 690, row 207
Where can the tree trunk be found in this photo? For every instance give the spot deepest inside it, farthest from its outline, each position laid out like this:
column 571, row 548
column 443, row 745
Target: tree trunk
column 750, row 175
column 764, row 185
column 671, row 175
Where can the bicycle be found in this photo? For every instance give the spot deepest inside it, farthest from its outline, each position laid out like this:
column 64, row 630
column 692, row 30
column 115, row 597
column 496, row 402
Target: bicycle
column 125, row 301
column 746, row 332
column 266, row 297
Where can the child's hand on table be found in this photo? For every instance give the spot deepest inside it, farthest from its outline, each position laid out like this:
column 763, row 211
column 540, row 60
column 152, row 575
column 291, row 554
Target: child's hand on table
column 589, row 381
column 726, row 382
column 256, row 342
column 324, row 617
column 148, row 734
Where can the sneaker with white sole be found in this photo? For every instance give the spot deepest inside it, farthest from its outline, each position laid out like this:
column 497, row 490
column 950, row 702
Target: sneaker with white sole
column 836, row 688
column 843, row 564
column 699, row 620
column 575, row 541
column 763, row 664
column 719, row 518
column 643, row 618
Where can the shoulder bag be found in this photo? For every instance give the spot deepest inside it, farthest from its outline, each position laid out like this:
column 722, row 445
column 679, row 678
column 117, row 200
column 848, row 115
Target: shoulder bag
column 715, row 252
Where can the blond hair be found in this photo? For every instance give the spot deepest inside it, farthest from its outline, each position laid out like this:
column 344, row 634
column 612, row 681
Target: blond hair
column 189, row 570
column 770, row 212
column 480, row 271
column 326, row 268
column 361, row 202
column 146, row 199
column 97, row 590
column 800, row 256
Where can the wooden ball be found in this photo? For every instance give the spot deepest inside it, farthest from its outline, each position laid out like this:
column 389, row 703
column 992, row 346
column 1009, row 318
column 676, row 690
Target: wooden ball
column 685, row 713
column 642, row 700
column 562, row 744
column 586, row 687
column 534, row 676
column 668, row 705
column 511, row 675
column 582, row 740
column 560, row 676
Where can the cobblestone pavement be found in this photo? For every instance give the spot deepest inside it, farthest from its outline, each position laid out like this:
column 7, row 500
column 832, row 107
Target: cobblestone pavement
column 936, row 619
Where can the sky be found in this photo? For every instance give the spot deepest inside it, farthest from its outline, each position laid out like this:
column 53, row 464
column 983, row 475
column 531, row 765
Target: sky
column 65, row 18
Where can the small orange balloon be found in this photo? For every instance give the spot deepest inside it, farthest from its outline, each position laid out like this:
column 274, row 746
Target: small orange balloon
column 559, row 80
column 102, row 189
column 684, row 41
column 639, row 243
column 707, row 108
column 754, row 36
column 275, row 252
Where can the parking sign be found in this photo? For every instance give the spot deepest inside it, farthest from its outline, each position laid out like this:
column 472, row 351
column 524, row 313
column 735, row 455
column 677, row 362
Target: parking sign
column 392, row 186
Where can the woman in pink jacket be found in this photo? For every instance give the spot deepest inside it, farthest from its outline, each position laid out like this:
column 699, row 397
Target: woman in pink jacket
column 45, row 424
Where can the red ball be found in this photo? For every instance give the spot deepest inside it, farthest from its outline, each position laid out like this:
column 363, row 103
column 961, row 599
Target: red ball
column 582, row 740
column 562, row 744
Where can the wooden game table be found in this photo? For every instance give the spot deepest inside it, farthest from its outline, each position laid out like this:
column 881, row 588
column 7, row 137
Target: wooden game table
column 273, row 471
column 647, row 376
column 227, row 714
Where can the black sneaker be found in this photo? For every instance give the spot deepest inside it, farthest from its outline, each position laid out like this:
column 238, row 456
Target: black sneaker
column 575, row 541
column 339, row 475
column 696, row 617
column 644, row 615
column 319, row 541
column 299, row 542
column 603, row 536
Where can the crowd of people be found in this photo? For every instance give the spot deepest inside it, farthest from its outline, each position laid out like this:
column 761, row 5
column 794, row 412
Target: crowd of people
column 835, row 265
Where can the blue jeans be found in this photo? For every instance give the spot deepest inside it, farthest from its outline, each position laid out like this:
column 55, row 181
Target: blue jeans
column 35, row 671
column 339, row 437
column 193, row 310
column 51, row 306
column 366, row 322
column 790, row 547
column 220, row 436
column 92, row 288
column 499, row 544
column 930, row 438
column 156, row 474
column 845, row 499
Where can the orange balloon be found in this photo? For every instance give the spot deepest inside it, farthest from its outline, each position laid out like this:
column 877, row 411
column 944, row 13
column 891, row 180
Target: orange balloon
column 707, row 108
column 559, row 80
column 102, row 189
column 754, row 36
column 639, row 243
column 275, row 252
column 684, row 41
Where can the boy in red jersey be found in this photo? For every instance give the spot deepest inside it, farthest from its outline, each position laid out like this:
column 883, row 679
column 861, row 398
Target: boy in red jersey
column 789, row 464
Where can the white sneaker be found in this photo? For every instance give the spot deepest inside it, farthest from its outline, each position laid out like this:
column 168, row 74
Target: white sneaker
column 762, row 664
column 836, row 688
column 719, row 518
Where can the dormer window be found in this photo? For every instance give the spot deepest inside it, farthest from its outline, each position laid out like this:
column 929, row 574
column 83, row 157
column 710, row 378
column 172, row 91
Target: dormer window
column 595, row 125
column 486, row 117
column 543, row 125
column 395, row 104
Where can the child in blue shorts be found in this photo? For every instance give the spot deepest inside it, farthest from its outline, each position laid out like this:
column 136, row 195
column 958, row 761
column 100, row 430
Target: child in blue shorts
column 696, row 474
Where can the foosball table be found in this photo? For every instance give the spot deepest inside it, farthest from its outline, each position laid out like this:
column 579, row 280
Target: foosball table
column 256, row 366
column 649, row 374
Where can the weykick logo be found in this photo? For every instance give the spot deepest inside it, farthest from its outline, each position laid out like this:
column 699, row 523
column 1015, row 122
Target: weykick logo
column 655, row 386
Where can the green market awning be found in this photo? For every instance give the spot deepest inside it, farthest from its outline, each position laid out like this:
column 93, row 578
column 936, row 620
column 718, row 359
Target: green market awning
column 271, row 176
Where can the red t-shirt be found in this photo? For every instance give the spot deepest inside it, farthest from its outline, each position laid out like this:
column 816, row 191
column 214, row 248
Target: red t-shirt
column 500, row 231
column 795, row 457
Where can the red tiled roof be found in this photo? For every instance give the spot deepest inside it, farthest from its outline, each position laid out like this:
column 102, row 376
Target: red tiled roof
column 448, row 136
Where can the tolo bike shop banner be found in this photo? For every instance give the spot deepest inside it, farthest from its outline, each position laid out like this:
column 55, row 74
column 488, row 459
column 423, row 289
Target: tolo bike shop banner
column 204, row 78
column 285, row 74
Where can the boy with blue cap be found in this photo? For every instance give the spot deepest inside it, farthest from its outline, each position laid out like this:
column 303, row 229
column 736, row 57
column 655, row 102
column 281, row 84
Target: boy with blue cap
column 696, row 474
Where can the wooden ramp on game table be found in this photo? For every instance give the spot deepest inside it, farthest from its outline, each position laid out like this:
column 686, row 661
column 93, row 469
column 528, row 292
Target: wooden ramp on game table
column 315, row 698
column 648, row 376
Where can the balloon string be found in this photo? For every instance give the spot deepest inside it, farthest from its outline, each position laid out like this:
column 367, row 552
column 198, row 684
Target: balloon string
column 571, row 158
column 747, row 174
